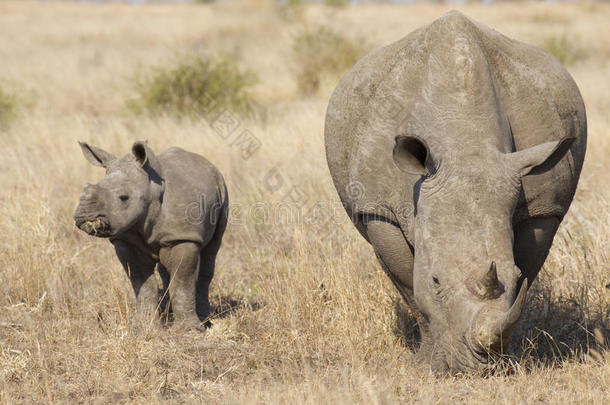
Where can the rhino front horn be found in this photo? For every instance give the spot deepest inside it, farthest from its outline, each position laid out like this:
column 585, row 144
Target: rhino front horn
column 488, row 286
column 506, row 324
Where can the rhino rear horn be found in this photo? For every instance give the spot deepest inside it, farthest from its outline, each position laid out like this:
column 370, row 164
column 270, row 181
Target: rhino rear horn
column 488, row 286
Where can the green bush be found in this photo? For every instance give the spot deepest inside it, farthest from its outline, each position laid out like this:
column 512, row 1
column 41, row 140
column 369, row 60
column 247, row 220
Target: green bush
column 563, row 49
column 8, row 108
column 320, row 52
column 196, row 85
column 336, row 3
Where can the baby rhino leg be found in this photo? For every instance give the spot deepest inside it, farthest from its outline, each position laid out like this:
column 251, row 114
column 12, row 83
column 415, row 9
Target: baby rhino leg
column 206, row 269
column 140, row 270
column 182, row 262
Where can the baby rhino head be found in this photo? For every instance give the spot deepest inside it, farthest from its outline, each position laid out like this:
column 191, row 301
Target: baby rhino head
column 122, row 198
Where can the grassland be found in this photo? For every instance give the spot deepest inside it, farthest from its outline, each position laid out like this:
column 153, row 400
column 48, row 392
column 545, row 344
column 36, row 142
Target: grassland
column 305, row 313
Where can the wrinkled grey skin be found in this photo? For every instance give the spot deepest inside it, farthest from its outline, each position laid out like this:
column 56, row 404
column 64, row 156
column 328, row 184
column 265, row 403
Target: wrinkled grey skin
column 168, row 210
column 456, row 152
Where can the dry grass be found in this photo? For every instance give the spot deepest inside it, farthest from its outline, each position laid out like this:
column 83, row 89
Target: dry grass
column 308, row 317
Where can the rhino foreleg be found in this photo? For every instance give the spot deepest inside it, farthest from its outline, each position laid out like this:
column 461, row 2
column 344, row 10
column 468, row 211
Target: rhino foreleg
column 164, row 306
column 396, row 258
column 533, row 239
column 140, row 270
column 182, row 262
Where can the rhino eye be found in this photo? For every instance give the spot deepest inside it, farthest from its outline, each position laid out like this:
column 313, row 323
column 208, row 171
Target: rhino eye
column 123, row 197
column 436, row 282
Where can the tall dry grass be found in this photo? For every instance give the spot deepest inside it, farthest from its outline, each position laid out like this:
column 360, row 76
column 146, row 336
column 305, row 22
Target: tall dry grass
column 306, row 315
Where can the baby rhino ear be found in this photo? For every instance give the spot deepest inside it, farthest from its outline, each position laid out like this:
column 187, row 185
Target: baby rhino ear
column 140, row 151
column 95, row 155
column 146, row 158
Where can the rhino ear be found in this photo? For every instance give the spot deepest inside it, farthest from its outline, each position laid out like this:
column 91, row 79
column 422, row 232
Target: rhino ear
column 411, row 155
column 141, row 152
column 540, row 158
column 147, row 159
column 95, row 155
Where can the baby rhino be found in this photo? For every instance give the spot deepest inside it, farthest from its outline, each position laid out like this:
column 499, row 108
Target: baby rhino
column 168, row 210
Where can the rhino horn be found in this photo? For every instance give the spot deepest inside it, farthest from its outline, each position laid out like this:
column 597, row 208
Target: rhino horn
column 488, row 286
column 510, row 318
column 494, row 328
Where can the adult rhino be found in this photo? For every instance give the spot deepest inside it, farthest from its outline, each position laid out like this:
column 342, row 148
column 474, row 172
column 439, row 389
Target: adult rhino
column 167, row 211
column 456, row 152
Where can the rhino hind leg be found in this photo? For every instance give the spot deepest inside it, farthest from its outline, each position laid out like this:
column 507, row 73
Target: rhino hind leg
column 206, row 269
column 533, row 239
column 396, row 258
column 206, row 272
column 140, row 270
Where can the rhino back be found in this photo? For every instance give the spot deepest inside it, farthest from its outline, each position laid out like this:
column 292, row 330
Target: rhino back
column 417, row 85
column 195, row 194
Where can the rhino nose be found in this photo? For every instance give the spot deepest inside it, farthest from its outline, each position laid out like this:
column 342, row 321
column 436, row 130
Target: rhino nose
column 89, row 204
column 89, row 192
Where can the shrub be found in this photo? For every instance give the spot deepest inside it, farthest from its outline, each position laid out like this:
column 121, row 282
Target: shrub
column 196, row 85
column 8, row 108
column 563, row 49
column 336, row 3
column 322, row 52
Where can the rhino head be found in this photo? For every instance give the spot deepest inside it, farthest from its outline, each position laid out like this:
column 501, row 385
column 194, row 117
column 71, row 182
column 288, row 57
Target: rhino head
column 122, row 198
column 465, row 280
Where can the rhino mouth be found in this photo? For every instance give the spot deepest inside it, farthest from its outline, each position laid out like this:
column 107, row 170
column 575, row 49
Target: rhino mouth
column 98, row 226
column 469, row 358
